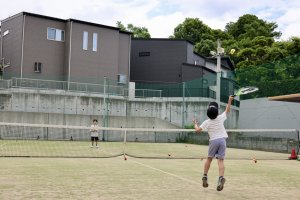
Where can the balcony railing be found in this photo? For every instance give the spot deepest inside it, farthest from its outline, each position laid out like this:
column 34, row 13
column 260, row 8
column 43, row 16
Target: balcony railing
column 5, row 84
column 108, row 89
column 67, row 86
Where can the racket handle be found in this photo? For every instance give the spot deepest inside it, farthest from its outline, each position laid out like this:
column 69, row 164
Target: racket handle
column 233, row 95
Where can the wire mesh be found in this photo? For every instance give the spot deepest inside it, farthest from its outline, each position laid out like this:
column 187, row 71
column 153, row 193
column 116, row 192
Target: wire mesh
column 40, row 140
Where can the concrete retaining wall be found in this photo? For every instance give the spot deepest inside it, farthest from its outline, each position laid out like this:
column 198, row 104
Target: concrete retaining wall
column 172, row 111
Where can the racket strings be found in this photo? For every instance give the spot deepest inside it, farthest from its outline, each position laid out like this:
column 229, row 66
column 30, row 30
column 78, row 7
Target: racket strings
column 246, row 90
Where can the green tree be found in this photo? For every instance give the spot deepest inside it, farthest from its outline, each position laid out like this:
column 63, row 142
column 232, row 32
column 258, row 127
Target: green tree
column 221, row 35
column 293, row 45
column 262, row 41
column 205, row 46
column 259, row 59
column 258, row 50
column 121, row 26
column 137, row 32
column 250, row 26
column 194, row 30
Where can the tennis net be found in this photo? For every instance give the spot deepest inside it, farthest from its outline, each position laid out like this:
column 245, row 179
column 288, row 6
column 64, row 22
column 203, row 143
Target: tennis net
column 42, row 140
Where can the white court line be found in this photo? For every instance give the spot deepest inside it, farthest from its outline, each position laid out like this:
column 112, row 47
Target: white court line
column 160, row 170
column 168, row 173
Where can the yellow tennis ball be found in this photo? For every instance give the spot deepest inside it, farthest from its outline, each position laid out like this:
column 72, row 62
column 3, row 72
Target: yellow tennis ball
column 232, row 51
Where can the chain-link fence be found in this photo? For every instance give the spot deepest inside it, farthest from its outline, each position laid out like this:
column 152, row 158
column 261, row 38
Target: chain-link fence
column 276, row 78
column 200, row 87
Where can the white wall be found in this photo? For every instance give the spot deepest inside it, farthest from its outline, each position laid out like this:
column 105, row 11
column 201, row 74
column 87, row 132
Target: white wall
column 261, row 113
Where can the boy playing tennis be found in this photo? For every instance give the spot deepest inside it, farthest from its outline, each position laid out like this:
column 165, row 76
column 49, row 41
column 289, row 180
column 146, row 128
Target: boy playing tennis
column 217, row 139
column 94, row 133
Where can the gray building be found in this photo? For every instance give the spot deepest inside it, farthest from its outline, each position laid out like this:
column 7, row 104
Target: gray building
column 170, row 61
column 163, row 64
column 42, row 47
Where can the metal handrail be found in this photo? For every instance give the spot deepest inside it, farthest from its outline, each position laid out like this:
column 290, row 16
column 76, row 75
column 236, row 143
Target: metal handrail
column 67, row 86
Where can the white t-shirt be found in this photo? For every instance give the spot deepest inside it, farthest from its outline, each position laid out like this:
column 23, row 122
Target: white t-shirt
column 94, row 133
column 215, row 127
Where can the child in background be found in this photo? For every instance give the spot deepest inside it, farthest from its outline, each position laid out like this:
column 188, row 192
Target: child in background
column 94, row 133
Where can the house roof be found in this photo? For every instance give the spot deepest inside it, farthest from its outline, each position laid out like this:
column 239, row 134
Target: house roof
column 164, row 39
column 199, row 66
column 198, row 54
column 288, row 98
column 66, row 20
column 98, row 25
column 226, row 58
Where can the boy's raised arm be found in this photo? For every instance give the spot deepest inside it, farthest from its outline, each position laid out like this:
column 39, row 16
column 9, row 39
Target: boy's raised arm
column 230, row 99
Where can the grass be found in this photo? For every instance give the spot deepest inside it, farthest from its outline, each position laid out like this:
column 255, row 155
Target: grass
column 143, row 179
column 115, row 178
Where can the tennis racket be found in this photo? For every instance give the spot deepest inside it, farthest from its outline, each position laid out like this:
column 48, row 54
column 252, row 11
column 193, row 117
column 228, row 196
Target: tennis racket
column 245, row 90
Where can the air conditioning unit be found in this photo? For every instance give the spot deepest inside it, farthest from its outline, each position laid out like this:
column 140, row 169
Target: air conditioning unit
column 122, row 79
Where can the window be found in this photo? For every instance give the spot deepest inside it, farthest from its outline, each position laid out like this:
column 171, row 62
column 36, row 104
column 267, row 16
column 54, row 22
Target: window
column 141, row 54
column 37, row 67
column 85, row 40
column 122, row 79
column 55, row 34
column 51, row 34
column 59, row 35
column 95, row 39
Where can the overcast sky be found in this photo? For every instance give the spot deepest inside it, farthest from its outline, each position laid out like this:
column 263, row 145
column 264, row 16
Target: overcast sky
column 162, row 16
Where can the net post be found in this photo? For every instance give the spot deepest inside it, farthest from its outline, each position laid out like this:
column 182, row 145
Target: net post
column 124, row 142
column 298, row 141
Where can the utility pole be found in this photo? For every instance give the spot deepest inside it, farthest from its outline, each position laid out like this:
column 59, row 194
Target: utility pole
column 220, row 52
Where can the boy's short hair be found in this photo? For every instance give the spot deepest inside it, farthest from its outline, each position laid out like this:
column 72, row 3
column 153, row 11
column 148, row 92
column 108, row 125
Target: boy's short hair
column 95, row 120
column 212, row 110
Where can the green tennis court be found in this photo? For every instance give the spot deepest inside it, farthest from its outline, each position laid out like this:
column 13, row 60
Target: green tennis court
column 140, row 178
column 59, row 163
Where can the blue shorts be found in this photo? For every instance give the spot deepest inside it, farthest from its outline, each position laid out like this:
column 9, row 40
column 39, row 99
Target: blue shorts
column 217, row 148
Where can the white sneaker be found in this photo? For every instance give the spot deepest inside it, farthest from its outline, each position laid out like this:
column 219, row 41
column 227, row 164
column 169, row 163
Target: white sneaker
column 97, row 146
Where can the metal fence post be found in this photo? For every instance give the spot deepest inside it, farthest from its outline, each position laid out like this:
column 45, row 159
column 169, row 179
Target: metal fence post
column 183, row 104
